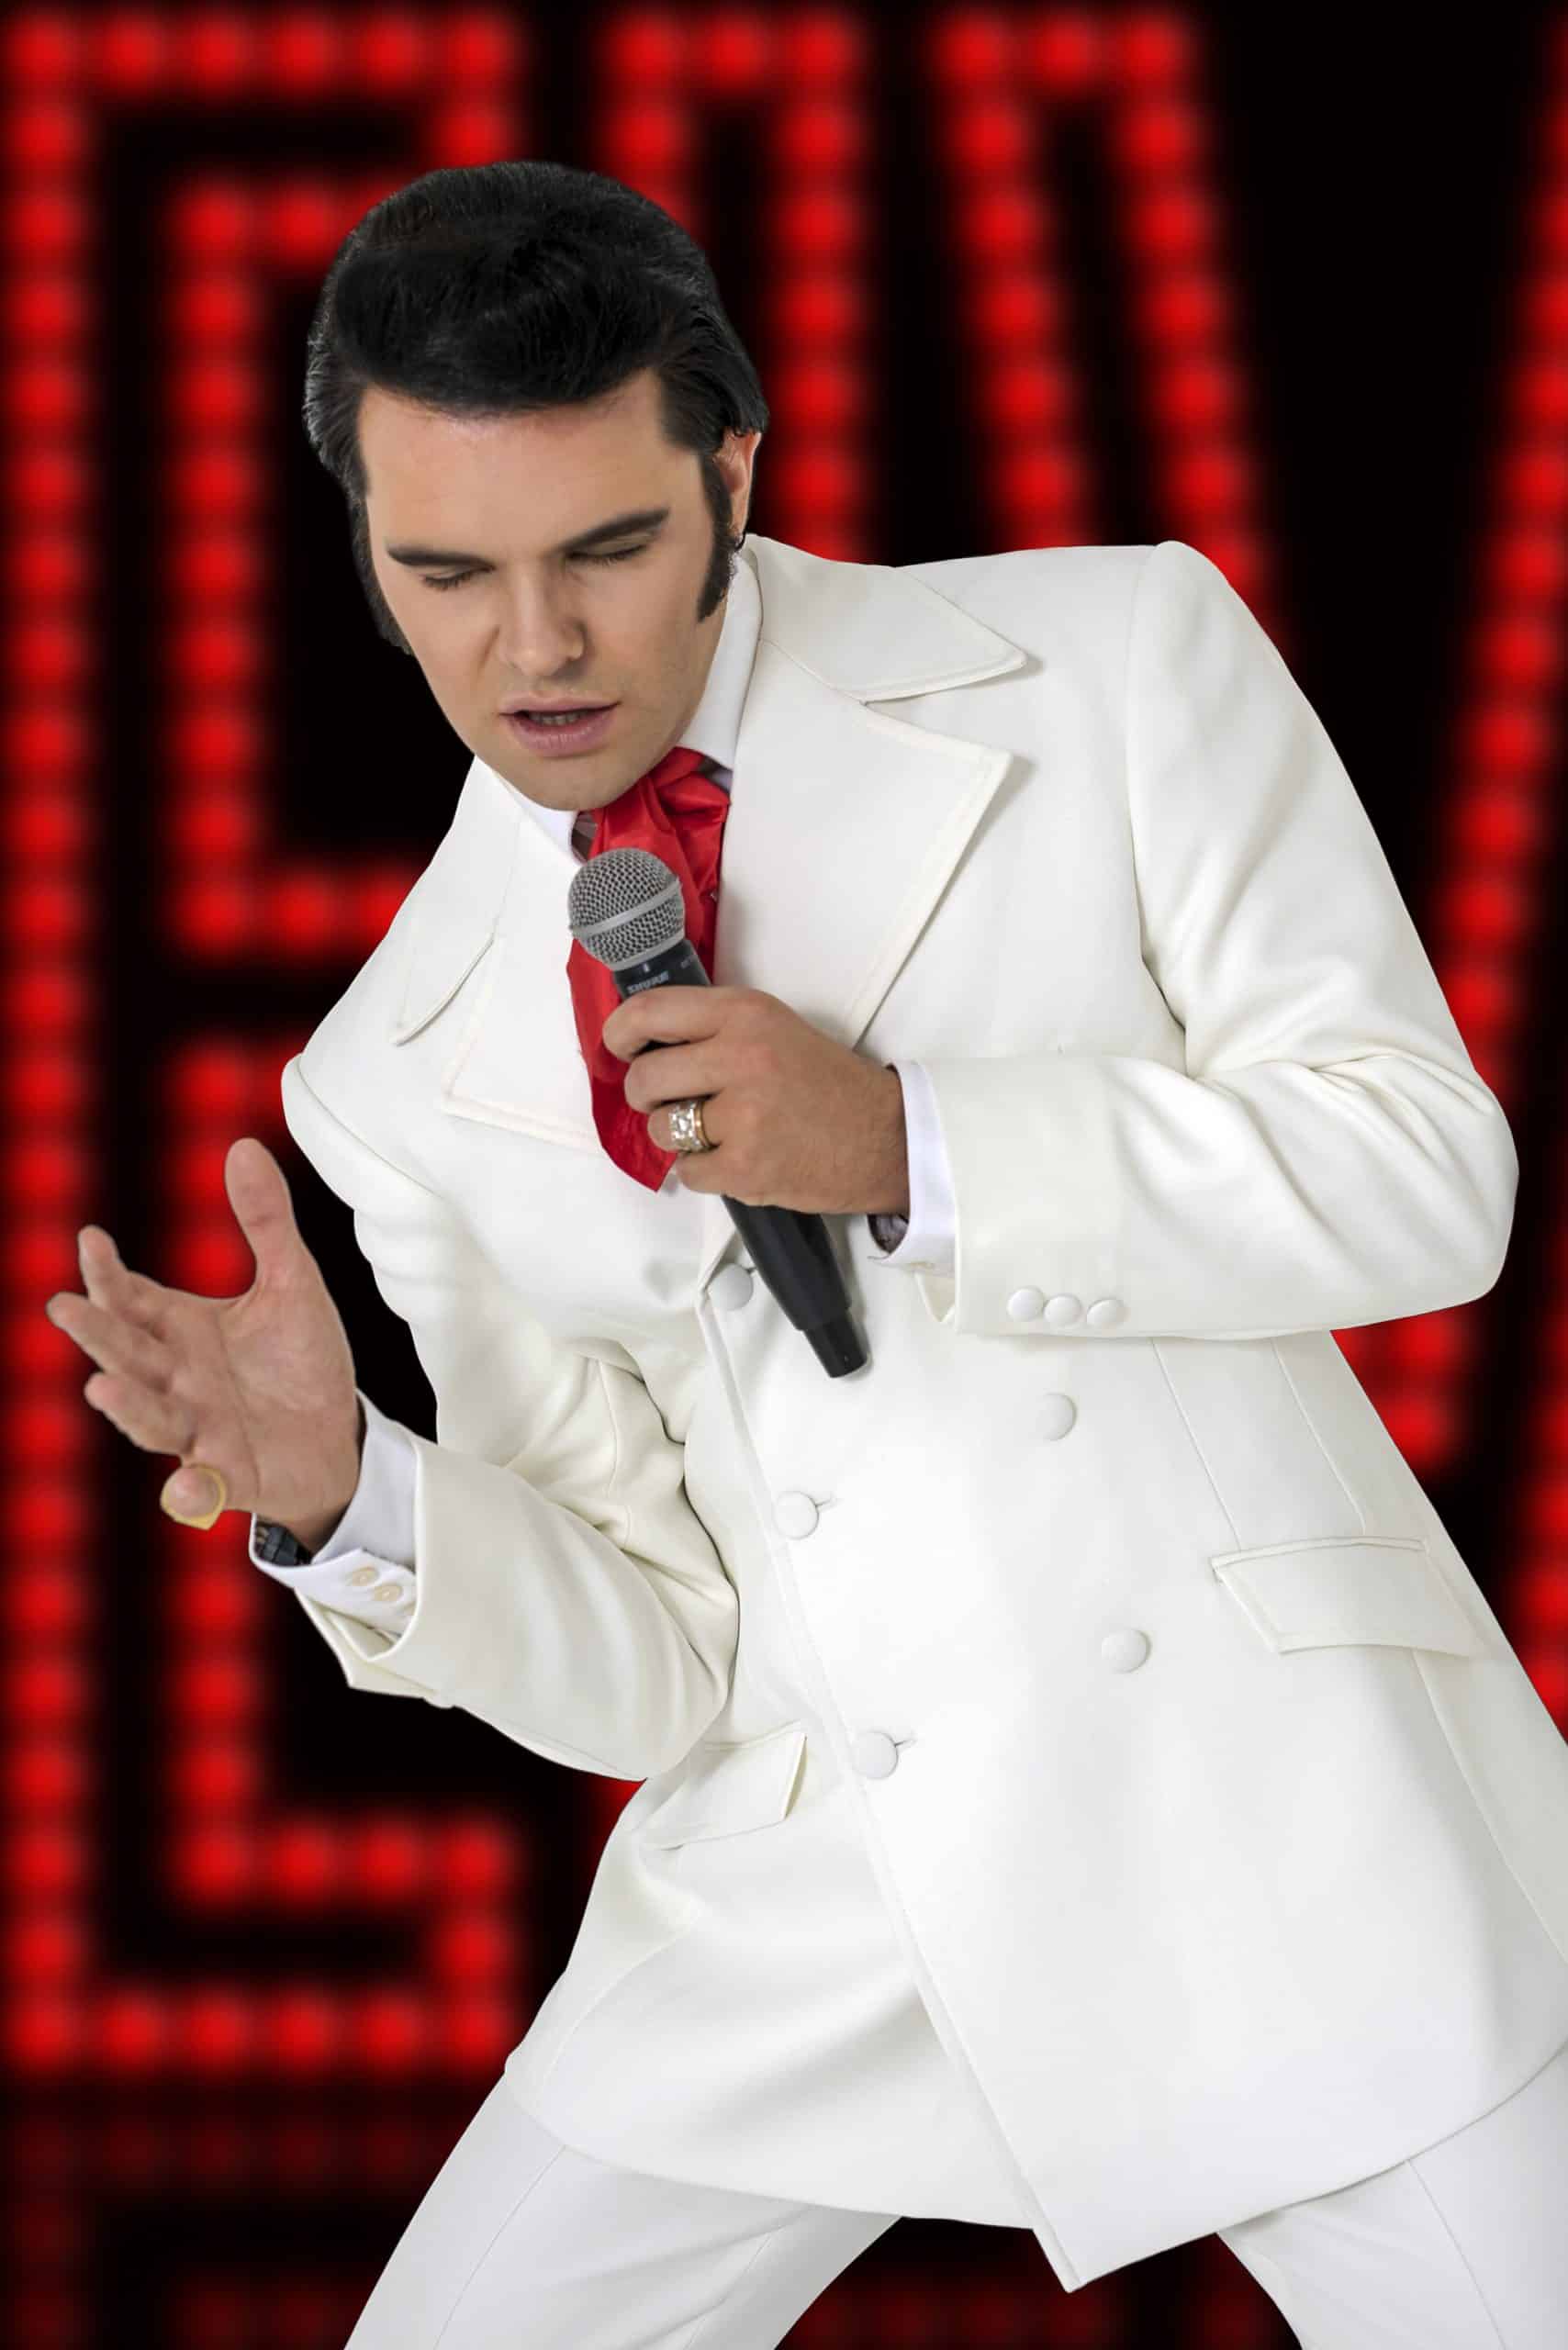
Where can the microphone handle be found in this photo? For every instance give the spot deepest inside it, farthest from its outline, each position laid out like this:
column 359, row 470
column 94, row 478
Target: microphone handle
column 789, row 1248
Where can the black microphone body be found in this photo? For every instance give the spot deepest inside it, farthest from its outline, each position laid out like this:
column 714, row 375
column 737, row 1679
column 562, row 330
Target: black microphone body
column 790, row 1249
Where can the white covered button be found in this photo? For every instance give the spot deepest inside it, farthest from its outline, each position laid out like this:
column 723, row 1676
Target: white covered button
column 874, row 1755
column 1105, row 1313
column 1063, row 1308
column 1024, row 1304
column 1057, row 1413
column 388, row 1591
column 730, row 1287
column 1126, row 1649
column 795, row 1514
column 363, row 1575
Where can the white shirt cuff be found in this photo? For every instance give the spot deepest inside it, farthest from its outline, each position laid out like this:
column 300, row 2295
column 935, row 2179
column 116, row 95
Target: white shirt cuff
column 366, row 1567
column 927, row 1245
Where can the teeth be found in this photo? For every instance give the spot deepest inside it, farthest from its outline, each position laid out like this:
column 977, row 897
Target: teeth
column 557, row 718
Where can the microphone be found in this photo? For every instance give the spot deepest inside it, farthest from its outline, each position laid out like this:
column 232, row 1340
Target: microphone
column 625, row 909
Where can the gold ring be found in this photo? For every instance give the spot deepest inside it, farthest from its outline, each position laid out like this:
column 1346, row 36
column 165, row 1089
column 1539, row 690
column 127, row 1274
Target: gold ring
column 687, row 1131
column 203, row 1469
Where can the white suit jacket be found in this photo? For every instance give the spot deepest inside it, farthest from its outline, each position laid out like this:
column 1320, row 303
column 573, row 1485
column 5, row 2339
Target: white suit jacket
column 379, row 1521
column 1090, row 1672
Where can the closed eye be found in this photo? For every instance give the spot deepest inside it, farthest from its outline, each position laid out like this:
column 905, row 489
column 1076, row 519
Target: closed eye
column 456, row 578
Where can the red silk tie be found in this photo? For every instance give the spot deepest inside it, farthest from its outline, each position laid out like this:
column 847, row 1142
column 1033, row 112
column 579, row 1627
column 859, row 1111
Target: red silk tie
column 678, row 813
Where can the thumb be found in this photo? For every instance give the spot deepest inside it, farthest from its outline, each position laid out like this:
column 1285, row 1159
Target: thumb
column 259, row 1194
column 192, row 1496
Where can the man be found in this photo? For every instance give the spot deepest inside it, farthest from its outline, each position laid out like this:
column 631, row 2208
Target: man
column 1083, row 1787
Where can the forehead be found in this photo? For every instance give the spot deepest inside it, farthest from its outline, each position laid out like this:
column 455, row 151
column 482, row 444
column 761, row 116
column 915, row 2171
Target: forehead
column 404, row 443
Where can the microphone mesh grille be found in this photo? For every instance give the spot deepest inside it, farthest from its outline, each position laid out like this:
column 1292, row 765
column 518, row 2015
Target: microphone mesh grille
column 624, row 906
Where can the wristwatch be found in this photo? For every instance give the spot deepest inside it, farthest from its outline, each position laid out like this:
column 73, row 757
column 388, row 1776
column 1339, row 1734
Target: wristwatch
column 278, row 1547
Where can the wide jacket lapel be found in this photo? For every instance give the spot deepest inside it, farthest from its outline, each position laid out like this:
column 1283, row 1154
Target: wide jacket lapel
column 846, row 825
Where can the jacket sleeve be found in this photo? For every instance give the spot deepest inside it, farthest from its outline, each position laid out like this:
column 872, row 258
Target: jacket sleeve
column 1328, row 1156
column 566, row 1591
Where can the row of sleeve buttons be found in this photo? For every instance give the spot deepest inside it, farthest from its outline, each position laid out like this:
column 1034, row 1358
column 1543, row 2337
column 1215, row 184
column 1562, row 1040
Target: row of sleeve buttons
column 399, row 1585
column 1031, row 1305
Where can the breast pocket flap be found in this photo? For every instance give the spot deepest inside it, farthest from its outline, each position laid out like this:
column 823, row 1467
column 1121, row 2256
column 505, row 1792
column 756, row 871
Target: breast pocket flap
column 1384, row 1589
column 725, row 1788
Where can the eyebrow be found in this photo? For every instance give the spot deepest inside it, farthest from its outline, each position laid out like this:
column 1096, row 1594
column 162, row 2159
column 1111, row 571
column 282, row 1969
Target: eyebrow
column 620, row 526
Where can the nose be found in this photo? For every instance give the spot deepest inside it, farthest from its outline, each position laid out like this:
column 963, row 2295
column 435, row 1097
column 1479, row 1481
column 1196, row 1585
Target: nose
column 540, row 638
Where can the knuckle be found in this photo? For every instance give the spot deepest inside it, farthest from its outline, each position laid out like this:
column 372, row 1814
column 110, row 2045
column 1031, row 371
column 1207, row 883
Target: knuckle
column 107, row 1394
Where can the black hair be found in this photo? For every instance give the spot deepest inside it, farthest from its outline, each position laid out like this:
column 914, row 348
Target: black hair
column 498, row 290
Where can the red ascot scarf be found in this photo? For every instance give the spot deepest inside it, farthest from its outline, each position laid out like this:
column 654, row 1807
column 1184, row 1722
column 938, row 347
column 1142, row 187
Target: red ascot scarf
column 678, row 813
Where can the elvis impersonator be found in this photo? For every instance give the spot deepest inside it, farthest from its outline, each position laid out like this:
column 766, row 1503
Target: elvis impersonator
column 1082, row 1787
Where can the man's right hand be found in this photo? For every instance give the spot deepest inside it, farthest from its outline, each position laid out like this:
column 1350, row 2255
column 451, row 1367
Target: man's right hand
column 260, row 1387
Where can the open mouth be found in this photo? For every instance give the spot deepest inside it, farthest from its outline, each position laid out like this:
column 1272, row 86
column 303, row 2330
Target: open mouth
column 563, row 730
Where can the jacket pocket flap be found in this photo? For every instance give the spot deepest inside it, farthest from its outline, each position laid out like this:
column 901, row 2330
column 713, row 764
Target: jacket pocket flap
column 729, row 1787
column 1380, row 1588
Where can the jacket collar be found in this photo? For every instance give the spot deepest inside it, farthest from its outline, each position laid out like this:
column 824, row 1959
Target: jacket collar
column 846, row 825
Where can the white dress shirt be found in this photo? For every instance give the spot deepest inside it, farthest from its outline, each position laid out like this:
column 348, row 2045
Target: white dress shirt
column 380, row 1517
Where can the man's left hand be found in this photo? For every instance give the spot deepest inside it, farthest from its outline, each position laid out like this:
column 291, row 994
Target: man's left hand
column 796, row 1119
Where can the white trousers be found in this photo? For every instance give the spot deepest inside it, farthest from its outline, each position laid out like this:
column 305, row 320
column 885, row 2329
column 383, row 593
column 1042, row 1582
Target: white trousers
column 522, row 2244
